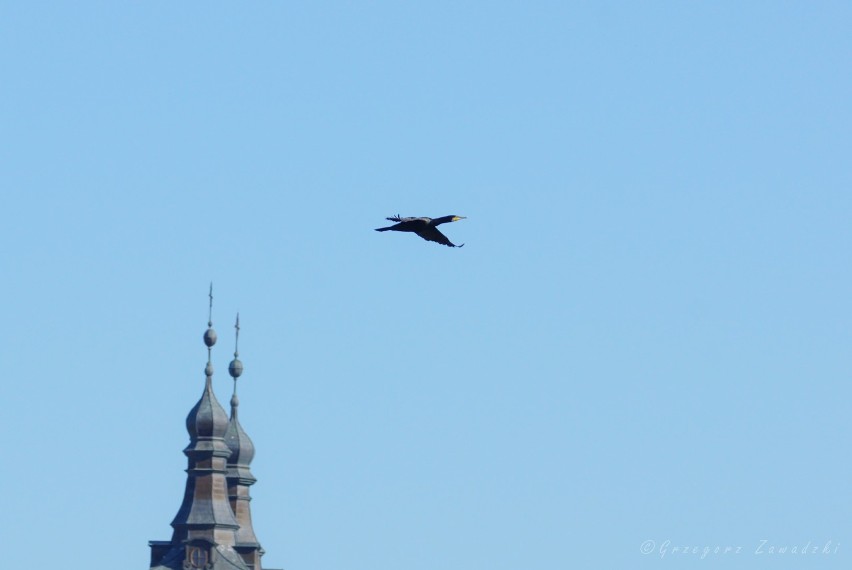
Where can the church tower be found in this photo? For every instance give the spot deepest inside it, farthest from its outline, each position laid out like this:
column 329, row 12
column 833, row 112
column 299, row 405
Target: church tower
column 213, row 529
column 239, row 476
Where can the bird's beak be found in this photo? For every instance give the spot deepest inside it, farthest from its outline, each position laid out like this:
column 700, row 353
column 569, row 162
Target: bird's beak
column 457, row 218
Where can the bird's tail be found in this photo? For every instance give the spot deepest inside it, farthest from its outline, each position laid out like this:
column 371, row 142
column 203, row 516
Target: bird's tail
column 383, row 229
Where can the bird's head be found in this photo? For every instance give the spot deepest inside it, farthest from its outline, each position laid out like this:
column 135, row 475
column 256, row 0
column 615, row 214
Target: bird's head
column 457, row 218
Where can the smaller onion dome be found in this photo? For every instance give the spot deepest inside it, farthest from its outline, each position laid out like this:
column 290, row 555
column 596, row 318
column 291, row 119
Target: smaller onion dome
column 238, row 441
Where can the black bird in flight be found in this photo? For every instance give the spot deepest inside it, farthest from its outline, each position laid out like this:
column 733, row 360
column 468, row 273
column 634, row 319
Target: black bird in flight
column 424, row 227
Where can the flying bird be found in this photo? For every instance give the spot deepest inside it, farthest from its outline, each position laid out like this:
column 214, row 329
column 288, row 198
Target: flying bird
column 424, row 227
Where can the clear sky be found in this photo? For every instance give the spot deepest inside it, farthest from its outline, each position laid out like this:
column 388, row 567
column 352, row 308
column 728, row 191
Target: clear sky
column 645, row 338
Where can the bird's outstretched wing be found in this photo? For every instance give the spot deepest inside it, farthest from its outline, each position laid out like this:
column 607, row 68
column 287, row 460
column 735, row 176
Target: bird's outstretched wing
column 431, row 233
column 400, row 219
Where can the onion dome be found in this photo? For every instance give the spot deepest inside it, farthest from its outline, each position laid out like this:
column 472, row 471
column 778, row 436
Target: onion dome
column 238, row 441
column 207, row 418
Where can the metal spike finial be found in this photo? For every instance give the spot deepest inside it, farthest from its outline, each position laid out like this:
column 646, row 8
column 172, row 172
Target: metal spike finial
column 210, row 314
column 237, row 341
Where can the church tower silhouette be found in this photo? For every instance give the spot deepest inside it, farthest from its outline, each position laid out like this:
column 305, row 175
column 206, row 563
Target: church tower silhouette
column 213, row 528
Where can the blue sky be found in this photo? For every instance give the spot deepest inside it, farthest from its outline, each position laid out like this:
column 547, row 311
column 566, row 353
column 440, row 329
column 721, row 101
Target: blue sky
column 645, row 338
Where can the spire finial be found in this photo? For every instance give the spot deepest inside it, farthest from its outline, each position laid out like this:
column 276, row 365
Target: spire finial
column 210, row 314
column 210, row 337
column 235, row 368
column 237, row 341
